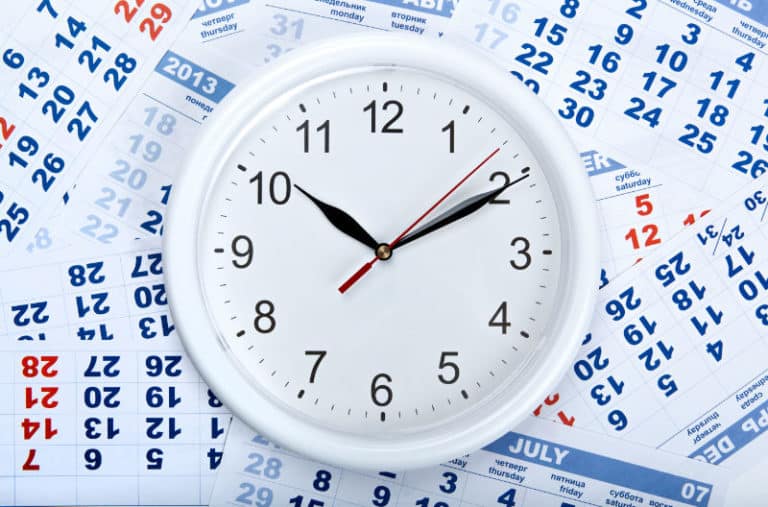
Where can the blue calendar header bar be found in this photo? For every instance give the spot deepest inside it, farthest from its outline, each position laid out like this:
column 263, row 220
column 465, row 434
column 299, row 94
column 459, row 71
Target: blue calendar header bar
column 735, row 437
column 438, row 7
column 193, row 77
column 209, row 7
column 756, row 10
column 599, row 468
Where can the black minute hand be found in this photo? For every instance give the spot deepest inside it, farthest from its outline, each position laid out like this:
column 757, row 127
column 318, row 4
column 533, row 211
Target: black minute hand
column 342, row 221
column 461, row 210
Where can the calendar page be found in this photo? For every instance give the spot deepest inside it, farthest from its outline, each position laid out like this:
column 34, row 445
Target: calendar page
column 675, row 358
column 259, row 31
column 115, row 400
column 68, row 69
column 123, row 192
column 535, row 465
column 99, row 405
column 666, row 99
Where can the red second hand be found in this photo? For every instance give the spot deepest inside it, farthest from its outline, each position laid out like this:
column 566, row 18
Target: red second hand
column 368, row 265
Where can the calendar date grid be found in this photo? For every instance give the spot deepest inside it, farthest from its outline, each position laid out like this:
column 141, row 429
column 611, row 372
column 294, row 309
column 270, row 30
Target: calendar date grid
column 66, row 414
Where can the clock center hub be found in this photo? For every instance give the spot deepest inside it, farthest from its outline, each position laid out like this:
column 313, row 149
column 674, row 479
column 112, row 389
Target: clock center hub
column 383, row 252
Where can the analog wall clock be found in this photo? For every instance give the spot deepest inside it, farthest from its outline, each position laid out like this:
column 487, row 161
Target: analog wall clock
column 382, row 253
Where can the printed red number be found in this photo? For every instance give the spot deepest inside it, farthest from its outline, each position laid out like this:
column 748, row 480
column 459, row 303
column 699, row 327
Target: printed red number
column 644, row 205
column 47, row 400
column 6, row 129
column 129, row 12
column 650, row 231
column 159, row 12
column 691, row 218
column 551, row 400
column 31, row 427
column 29, row 465
column 30, row 366
column 568, row 421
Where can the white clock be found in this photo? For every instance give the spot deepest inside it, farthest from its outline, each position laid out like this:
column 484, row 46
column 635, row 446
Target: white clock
column 383, row 252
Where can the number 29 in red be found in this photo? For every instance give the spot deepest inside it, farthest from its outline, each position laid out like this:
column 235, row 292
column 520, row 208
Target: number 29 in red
column 159, row 15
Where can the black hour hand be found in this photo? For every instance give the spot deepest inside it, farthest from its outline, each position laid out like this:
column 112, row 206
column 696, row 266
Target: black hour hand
column 342, row 220
column 461, row 210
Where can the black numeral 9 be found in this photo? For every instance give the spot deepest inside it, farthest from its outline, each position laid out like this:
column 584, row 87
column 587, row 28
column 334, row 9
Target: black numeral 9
column 242, row 247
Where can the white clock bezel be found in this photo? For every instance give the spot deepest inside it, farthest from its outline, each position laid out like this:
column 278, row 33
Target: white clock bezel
column 577, row 284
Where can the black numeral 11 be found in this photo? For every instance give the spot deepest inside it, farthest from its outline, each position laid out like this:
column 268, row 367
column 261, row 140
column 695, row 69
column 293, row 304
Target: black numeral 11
column 324, row 127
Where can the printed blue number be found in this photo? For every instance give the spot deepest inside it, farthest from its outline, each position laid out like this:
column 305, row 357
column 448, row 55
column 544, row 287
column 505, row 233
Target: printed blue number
column 79, row 274
column 634, row 336
column 450, row 482
column 569, row 8
column 322, row 480
column 706, row 140
column 616, row 307
column 636, row 11
column 692, row 37
column 596, row 92
column 734, row 268
column 677, row 60
column 617, row 419
column 666, row 83
column 507, row 498
column 381, row 496
column 543, row 59
column 650, row 362
column 762, row 314
column 582, row 115
column 597, row 391
column 665, row 273
column 748, row 164
column 263, row 495
column 482, row 31
column 556, row 33
column 167, row 365
column 638, row 112
column 608, row 61
column 95, row 228
column 745, row 61
column 270, row 467
column 154, row 265
column 667, row 385
column 624, row 34
column 585, row 369
column 716, row 350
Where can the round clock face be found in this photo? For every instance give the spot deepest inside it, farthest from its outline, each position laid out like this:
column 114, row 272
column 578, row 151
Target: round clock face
column 378, row 257
column 330, row 295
